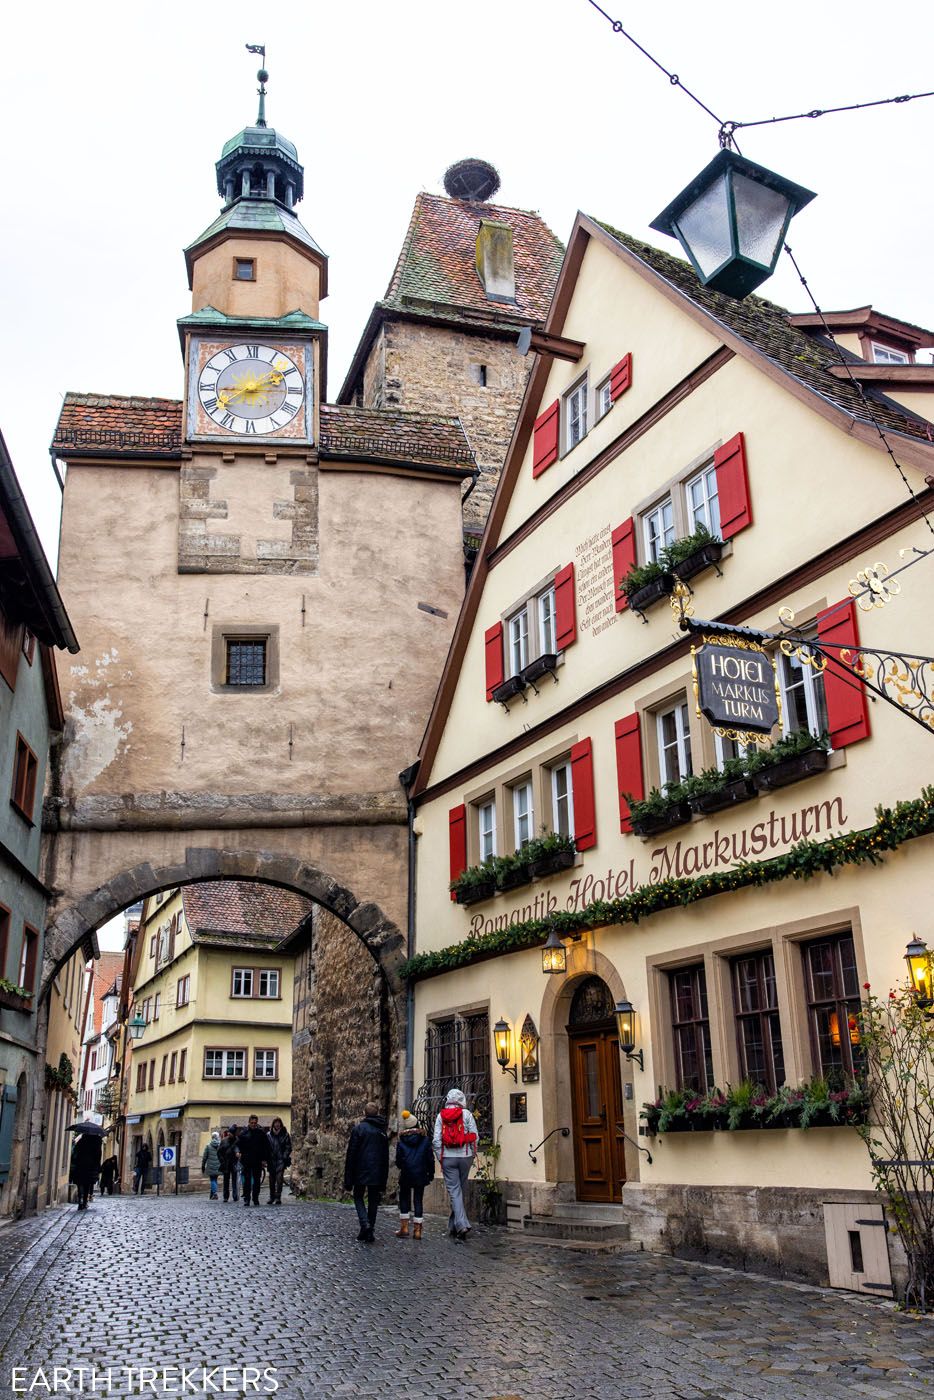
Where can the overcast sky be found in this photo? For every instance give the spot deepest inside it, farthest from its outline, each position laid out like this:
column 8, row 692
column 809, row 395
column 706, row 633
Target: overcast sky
column 120, row 110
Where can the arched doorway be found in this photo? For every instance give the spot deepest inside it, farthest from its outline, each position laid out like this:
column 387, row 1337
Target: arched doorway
column 596, row 1093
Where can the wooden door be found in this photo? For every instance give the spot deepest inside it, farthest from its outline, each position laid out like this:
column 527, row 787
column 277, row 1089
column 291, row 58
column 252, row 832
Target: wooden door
column 597, row 1112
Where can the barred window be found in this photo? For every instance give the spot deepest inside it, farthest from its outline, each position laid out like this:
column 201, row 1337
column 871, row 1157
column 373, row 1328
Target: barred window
column 457, row 1056
column 246, row 661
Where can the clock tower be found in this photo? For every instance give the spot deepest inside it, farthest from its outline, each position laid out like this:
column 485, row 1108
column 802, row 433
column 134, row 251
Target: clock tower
column 254, row 348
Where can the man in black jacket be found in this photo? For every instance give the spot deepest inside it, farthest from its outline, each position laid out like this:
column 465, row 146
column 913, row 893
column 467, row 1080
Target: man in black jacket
column 229, row 1162
column 253, row 1146
column 366, row 1169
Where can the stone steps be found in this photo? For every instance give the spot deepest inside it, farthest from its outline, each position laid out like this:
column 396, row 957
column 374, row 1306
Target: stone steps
column 579, row 1228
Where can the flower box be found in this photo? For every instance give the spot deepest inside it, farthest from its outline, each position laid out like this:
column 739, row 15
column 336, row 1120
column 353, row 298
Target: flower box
column 703, row 558
column 552, row 862
column 651, row 592
column 739, row 790
column 650, row 825
column 791, row 769
column 472, row 894
column 508, row 689
column 541, row 666
column 14, row 1002
column 512, row 879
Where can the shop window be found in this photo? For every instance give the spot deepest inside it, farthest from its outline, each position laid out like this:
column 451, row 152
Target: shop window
column 673, row 731
column 755, row 1005
column 833, row 999
column 690, row 1024
column 575, row 414
column 25, row 771
column 804, row 702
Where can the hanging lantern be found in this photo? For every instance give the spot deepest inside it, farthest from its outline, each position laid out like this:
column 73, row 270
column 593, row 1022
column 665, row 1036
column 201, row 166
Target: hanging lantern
column 918, row 958
column 137, row 1027
column 731, row 221
column 554, row 954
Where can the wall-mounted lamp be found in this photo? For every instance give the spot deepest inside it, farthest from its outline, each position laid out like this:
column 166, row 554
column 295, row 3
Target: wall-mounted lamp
column 625, row 1014
column 554, row 954
column 918, row 958
column 502, row 1032
column 137, row 1026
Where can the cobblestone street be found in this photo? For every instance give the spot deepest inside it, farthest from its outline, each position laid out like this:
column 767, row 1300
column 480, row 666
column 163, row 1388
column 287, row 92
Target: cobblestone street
column 176, row 1282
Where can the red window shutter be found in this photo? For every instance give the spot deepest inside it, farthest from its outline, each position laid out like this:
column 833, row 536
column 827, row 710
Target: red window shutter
column 545, row 439
column 623, row 540
column 732, row 487
column 457, row 833
column 585, row 817
column 494, row 658
column 565, row 608
column 847, row 707
column 628, row 766
column 621, row 377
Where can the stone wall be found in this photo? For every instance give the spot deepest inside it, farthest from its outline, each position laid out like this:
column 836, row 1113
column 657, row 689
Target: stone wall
column 343, row 1053
column 433, row 369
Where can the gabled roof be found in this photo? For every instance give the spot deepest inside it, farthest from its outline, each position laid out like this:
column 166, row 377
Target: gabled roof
column 867, row 319
column 435, row 278
column 241, row 913
column 258, row 218
column 756, row 329
column 106, row 974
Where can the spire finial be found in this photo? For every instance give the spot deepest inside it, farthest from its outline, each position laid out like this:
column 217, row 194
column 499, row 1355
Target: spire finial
column 263, row 76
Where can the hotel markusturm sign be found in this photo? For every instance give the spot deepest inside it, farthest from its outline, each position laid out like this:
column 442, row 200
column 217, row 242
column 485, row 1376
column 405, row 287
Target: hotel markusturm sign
column 736, row 688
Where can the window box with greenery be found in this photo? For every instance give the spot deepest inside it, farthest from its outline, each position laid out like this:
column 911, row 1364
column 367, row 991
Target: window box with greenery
column 13, row 997
column 645, row 584
column 745, row 1106
column 690, row 555
column 512, row 871
column 549, row 853
column 475, row 883
column 799, row 755
column 717, row 788
column 659, row 811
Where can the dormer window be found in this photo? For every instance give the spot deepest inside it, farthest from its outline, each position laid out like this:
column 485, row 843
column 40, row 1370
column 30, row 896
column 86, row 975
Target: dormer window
column 886, row 355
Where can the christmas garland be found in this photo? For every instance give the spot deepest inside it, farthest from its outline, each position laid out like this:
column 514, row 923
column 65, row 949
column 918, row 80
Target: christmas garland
column 892, row 827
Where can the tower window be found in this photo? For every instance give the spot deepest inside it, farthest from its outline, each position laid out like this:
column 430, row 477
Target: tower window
column 246, row 661
column 244, row 269
column 478, row 374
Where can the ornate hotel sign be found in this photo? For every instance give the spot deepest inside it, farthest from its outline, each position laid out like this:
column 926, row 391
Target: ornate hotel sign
column 736, row 688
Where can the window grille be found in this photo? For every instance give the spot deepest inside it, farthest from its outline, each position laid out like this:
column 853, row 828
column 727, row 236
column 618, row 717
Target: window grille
column 457, row 1056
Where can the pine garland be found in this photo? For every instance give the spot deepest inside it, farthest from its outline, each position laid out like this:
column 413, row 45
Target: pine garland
column 892, row 827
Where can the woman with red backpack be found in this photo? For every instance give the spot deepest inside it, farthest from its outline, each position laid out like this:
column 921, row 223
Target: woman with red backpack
column 455, row 1146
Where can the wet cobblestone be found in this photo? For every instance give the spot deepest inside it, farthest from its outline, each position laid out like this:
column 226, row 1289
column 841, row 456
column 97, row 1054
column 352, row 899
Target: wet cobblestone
column 177, row 1282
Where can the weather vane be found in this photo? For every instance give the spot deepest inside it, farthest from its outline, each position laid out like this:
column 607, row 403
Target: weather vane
column 263, row 76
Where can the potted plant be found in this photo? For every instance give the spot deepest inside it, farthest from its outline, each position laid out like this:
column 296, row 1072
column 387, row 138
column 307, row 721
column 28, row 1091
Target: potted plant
column 550, row 853
column 799, row 755
column 541, row 666
column 14, row 997
column 513, row 685
column 512, row 871
column 716, row 788
column 745, row 1105
column 659, row 811
column 475, row 883
column 784, row 1108
column 710, row 1110
column 673, row 1116
column 492, row 1206
column 689, row 556
column 651, row 1113
column 646, row 583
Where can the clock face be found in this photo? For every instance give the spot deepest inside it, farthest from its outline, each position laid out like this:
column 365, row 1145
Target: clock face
column 251, row 389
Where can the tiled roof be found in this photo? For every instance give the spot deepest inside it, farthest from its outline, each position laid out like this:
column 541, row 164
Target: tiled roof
column 107, row 972
column 106, row 421
column 437, row 264
column 766, row 327
column 418, row 438
column 250, row 215
column 242, row 912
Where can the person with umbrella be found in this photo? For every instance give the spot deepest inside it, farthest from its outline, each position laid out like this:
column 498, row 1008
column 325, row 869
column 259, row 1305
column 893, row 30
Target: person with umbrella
column 86, row 1159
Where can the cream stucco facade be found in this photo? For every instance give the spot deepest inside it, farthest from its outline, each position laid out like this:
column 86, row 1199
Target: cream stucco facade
column 822, row 502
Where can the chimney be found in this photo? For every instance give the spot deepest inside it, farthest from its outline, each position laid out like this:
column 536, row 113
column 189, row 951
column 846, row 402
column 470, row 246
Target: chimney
column 496, row 266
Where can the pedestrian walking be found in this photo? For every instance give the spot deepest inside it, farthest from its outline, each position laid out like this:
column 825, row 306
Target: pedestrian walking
column 108, row 1175
column 416, row 1163
column 230, row 1159
column 211, row 1163
column 142, row 1163
column 253, row 1146
column 366, row 1168
column 85, row 1166
column 455, row 1146
column 280, row 1157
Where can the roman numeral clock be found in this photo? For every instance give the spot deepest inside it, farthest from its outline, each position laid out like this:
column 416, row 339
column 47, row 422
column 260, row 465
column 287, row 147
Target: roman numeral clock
column 250, row 389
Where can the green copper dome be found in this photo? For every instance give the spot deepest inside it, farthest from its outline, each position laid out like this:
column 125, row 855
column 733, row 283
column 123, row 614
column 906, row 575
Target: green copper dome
column 259, row 163
column 260, row 138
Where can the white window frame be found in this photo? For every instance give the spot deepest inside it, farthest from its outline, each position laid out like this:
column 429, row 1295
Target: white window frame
column 547, row 622
column 815, row 702
column 269, row 974
column 888, row 355
column 575, row 414
column 486, row 828
column 265, row 1074
column 709, row 512
column 555, row 774
column 228, row 1058
column 602, row 400
column 719, row 744
column 245, row 974
column 518, row 628
column 523, row 813
column 682, row 744
column 656, row 534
